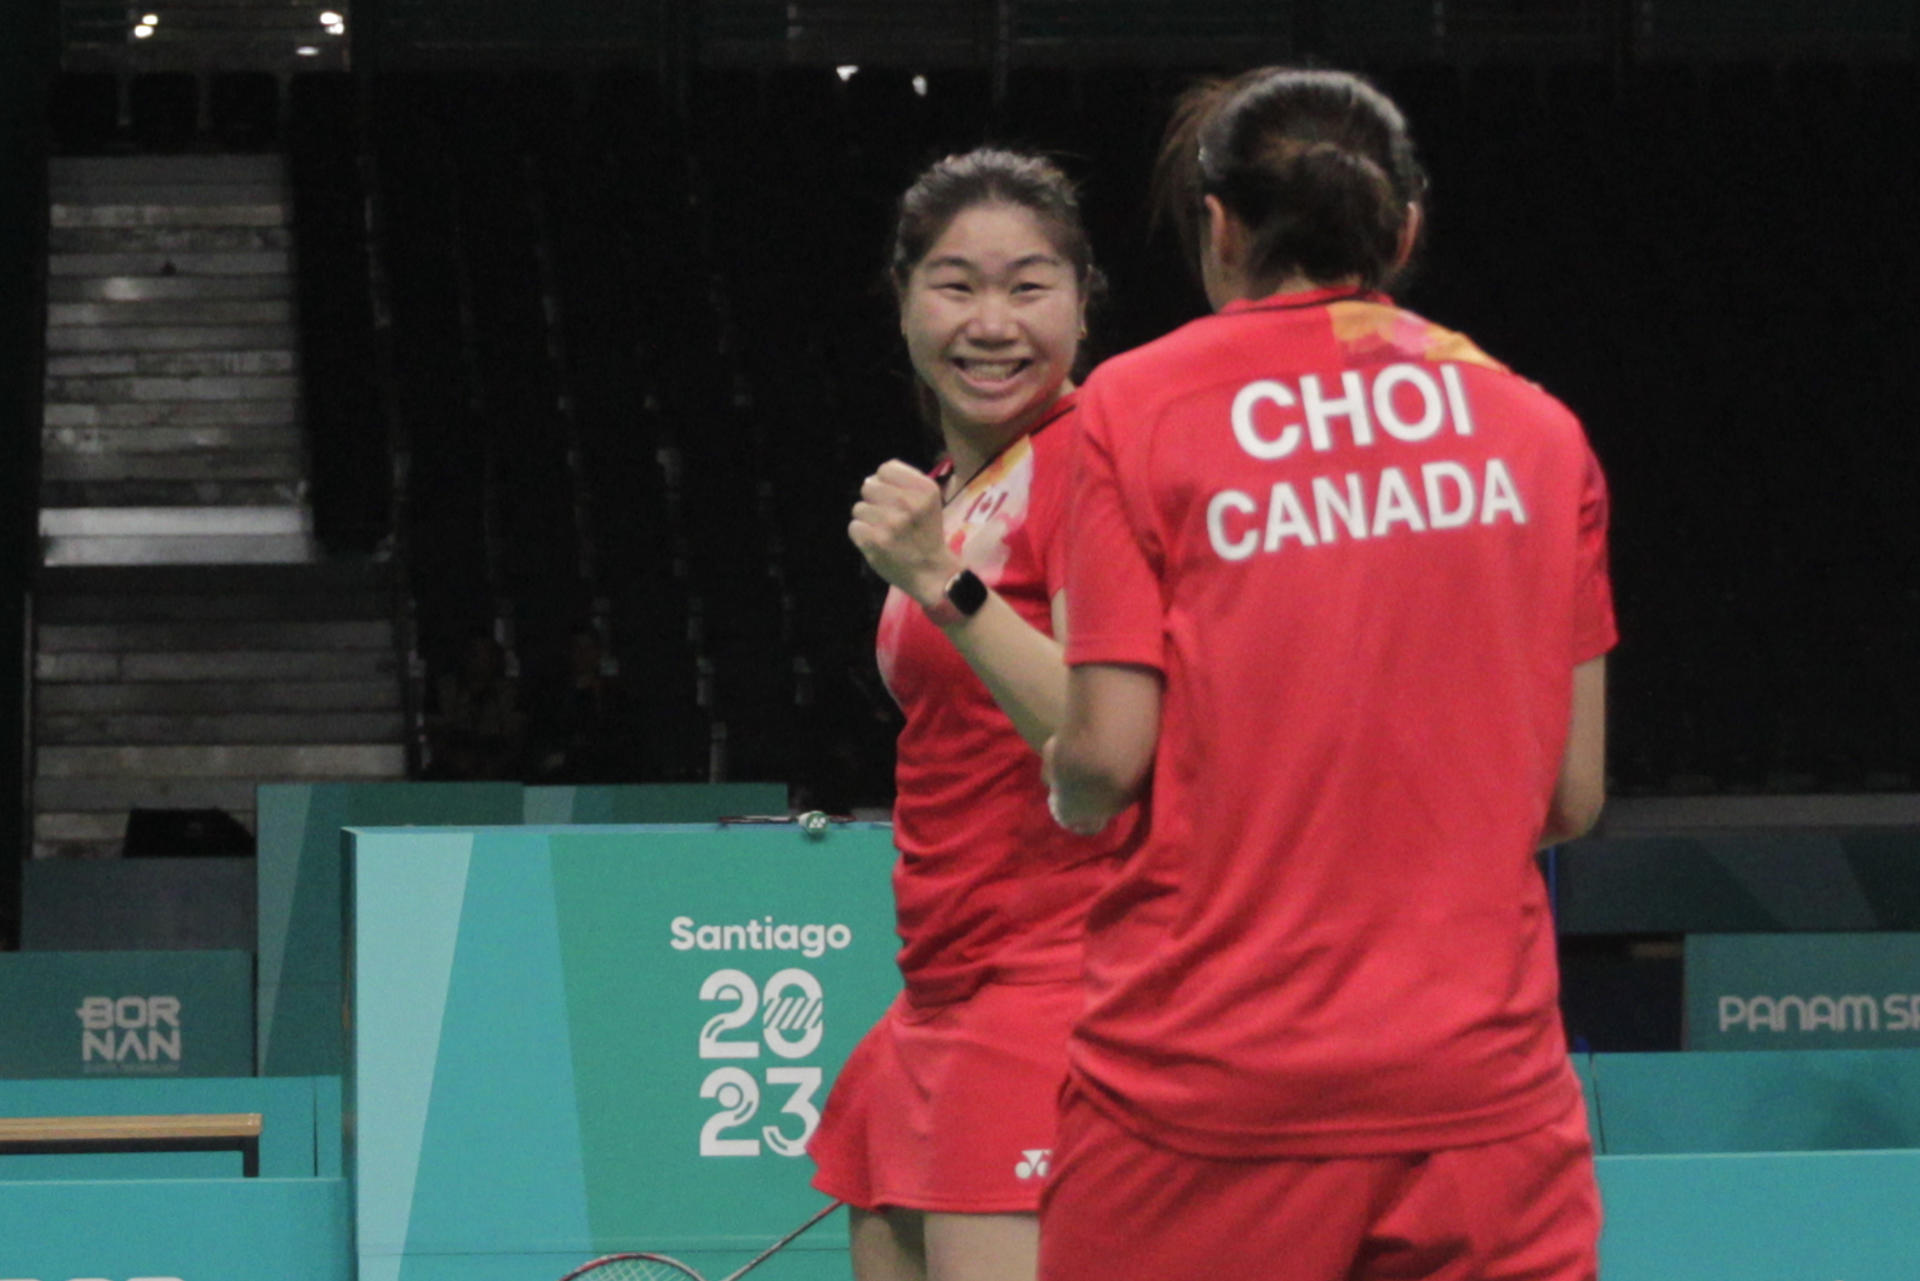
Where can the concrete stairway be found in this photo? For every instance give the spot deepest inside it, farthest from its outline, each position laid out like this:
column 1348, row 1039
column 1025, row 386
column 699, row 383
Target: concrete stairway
column 172, row 418
column 183, row 687
column 187, row 645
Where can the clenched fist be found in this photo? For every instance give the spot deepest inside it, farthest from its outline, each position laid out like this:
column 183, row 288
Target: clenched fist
column 898, row 527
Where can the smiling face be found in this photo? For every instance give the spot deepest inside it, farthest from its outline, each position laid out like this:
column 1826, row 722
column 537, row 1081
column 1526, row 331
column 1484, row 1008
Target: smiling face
column 992, row 316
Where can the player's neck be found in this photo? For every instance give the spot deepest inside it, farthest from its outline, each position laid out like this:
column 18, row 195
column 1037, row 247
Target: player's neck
column 970, row 452
column 972, row 446
column 1298, row 284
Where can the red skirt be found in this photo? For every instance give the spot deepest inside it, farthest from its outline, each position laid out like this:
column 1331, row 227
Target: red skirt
column 950, row 1108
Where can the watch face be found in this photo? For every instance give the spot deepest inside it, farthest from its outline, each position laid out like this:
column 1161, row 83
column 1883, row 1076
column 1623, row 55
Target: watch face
column 967, row 592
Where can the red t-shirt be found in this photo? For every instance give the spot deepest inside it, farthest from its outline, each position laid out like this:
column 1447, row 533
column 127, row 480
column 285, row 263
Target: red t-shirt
column 1366, row 558
column 988, row 888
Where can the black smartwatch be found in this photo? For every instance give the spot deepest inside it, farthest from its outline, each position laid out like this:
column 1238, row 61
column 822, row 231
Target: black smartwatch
column 962, row 599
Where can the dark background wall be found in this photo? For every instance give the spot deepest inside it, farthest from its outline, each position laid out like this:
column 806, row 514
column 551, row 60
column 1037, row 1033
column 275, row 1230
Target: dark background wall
column 1706, row 261
column 25, row 63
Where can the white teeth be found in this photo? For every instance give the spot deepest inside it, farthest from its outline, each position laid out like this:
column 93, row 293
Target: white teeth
column 991, row 370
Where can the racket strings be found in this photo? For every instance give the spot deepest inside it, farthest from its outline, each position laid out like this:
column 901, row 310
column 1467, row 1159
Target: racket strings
column 638, row 1268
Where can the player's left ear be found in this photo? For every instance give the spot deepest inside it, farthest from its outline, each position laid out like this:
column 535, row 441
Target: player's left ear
column 1225, row 235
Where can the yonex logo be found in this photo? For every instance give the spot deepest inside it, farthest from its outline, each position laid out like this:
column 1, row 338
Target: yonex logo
column 1033, row 1163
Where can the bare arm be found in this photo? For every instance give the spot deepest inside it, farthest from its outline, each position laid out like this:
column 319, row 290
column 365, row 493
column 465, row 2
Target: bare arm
column 1024, row 669
column 897, row 527
column 1582, row 786
column 1099, row 762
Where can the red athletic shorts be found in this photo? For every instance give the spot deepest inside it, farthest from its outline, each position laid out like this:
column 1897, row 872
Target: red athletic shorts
column 1522, row 1208
column 950, row 1108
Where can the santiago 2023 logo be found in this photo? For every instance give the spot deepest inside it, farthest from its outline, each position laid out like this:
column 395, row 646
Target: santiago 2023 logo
column 789, row 1009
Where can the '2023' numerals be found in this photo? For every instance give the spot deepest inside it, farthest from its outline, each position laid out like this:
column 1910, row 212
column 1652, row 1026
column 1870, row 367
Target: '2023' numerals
column 791, row 1013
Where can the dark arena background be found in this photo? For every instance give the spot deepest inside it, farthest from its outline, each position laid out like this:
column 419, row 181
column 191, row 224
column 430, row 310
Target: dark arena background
column 471, row 391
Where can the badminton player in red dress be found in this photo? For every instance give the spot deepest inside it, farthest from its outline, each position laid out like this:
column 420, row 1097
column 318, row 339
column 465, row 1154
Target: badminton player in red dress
column 1338, row 599
column 940, row 1127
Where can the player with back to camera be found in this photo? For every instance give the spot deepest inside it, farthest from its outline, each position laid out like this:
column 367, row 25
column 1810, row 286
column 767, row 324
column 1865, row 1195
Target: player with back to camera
column 939, row 1127
column 1338, row 595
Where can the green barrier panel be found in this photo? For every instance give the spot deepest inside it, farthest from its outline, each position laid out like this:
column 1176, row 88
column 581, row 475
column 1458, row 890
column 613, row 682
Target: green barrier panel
column 1756, row 881
column 1835, row 1216
column 1765, row 1101
column 571, row 1042
column 306, row 1034
column 137, row 904
column 1802, row 991
column 177, row 1230
column 290, row 1108
column 93, row 1167
column 107, row 1014
column 651, row 803
column 1583, row 1068
column 329, row 1161
column 300, row 914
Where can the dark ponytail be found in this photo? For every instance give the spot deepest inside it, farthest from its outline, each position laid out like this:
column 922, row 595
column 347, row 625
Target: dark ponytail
column 1318, row 165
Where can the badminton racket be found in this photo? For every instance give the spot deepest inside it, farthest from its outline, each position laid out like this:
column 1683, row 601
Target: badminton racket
column 641, row 1265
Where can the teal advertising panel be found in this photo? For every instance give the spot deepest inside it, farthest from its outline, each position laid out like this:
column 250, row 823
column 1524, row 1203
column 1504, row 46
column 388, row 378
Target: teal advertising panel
column 299, row 909
column 176, row 1230
column 137, row 904
column 1760, row 1101
column 1835, row 1216
column 126, row 1014
column 300, row 914
column 651, row 803
column 1802, row 991
column 1583, row 1069
column 570, row 1042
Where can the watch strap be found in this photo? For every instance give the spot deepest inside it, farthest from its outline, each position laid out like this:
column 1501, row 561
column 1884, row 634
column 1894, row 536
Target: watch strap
column 960, row 600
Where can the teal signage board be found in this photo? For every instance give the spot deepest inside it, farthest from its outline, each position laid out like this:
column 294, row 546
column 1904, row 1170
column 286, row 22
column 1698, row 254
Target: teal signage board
column 1583, row 1068
column 300, row 912
column 126, row 1014
column 570, row 1042
column 1831, row 1216
column 1762, row 1101
column 137, row 904
column 176, row 1230
column 299, row 908
column 1802, row 991
column 652, row 803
